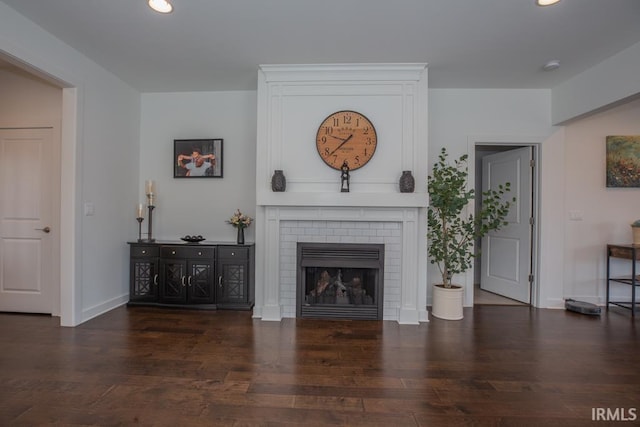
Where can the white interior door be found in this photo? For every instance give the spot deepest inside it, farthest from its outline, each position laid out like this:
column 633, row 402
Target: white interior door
column 26, row 191
column 506, row 253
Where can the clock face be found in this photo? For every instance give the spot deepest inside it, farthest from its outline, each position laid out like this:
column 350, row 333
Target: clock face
column 346, row 136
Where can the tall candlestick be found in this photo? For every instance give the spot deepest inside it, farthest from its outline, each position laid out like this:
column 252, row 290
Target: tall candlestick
column 150, row 225
column 150, row 187
column 140, row 210
column 140, row 228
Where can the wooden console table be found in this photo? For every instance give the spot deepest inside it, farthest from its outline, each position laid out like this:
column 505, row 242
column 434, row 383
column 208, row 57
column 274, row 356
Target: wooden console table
column 206, row 275
column 630, row 252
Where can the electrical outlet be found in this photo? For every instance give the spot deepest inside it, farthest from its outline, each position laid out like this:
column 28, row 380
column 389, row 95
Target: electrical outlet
column 89, row 209
column 575, row 215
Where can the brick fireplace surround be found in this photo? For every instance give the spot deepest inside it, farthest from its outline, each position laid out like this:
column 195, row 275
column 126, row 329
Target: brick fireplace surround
column 395, row 227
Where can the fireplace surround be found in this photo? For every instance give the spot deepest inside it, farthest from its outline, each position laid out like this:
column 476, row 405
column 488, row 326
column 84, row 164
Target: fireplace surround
column 400, row 229
column 291, row 100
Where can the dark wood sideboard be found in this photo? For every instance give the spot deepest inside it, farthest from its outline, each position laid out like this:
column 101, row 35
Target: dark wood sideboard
column 205, row 275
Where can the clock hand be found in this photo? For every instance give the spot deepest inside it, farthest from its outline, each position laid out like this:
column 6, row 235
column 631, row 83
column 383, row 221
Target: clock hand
column 336, row 137
column 343, row 142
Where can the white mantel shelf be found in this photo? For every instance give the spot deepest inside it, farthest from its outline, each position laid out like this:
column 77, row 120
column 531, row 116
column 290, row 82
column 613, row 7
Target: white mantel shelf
column 382, row 200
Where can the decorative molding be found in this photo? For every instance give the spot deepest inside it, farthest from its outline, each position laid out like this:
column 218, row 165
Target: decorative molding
column 342, row 72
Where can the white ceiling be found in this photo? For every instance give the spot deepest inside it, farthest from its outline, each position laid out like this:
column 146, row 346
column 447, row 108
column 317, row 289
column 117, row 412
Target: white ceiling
column 212, row 45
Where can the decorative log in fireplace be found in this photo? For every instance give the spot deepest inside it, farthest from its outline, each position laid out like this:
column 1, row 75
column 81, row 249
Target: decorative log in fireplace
column 340, row 280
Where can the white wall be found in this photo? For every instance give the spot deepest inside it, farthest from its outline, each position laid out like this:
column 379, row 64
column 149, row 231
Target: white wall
column 199, row 206
column 100, row 153
column 458, row 118
column 606, row 212
column 612, row 81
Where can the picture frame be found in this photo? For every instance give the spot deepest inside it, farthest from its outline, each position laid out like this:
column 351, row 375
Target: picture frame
column 623, row 161
column 197, row 158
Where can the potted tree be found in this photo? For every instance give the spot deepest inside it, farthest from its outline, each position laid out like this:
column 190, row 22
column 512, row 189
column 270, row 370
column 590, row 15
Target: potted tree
column 451, row 233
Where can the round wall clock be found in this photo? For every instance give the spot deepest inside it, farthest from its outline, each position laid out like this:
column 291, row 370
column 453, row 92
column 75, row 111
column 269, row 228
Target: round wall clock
column 346, row 136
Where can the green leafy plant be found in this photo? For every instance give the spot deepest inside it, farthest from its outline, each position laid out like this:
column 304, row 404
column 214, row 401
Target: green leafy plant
column 636, row 223
column 452, row 234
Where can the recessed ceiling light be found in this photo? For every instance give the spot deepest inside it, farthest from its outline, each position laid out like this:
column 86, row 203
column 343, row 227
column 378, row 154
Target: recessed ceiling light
column 162, row 6
column 546, row 2
column 551, row 65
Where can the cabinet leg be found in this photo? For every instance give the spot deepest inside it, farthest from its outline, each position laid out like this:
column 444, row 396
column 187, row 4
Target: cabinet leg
column 608, row 275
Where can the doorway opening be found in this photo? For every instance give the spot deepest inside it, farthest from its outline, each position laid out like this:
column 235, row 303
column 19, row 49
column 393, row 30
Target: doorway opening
column 52, row 108
column 504, row 272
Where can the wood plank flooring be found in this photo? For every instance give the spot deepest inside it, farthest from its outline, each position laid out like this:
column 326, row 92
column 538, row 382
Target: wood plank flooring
column 500, row 366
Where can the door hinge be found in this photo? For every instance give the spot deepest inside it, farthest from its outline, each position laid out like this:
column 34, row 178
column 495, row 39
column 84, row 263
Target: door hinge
column 532, row 163
column 531, row 278
column 532, row 221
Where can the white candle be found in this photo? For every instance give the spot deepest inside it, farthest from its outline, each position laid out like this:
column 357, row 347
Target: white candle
column 151, row 199
column 150, row 187
column 140, row 211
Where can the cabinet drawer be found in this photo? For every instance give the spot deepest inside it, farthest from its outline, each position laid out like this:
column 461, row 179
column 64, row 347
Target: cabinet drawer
column 233, row 252
column 144, row 251
column 186, row 252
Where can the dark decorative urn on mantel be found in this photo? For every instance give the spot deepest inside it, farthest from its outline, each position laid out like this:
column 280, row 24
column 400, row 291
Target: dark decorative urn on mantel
column 407, row 182
column 278, row 181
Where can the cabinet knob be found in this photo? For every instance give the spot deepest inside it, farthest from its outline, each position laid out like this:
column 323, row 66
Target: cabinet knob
column 199, row 253
column 173, row 252
column 233, row 253
column 144, row 252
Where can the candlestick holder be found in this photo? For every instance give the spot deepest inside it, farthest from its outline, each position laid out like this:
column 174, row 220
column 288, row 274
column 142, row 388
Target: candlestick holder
column 140, row 219
column 150, row 225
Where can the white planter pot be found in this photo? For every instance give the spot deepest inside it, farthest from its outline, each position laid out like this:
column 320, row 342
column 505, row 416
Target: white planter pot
column 447, row 302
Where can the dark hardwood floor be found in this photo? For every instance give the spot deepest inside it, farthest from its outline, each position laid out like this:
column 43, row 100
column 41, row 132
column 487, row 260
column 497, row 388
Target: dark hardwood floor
column 500, row 366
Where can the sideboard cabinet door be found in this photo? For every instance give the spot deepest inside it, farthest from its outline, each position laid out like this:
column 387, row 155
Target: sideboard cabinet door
column 143, row 274
column 187, row 274
column 235, row 277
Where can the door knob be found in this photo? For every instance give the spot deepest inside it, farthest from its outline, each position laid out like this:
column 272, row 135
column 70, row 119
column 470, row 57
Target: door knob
column 47, row 229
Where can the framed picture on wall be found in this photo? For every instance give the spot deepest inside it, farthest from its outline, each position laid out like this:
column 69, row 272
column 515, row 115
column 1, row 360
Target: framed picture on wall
column 197, row 158
column 623, row 161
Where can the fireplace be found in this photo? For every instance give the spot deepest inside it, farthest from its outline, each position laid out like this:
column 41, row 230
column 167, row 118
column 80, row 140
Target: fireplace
column 340, row 280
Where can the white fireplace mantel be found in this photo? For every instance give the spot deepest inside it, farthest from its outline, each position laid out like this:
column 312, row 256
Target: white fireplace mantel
column 400, row 229
column 417, row 200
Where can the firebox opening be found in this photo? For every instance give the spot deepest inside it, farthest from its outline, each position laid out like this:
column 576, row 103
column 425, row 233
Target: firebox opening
column 344, row 286
column 340, row 280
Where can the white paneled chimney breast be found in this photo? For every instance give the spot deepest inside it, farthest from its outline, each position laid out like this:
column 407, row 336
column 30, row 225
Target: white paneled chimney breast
column 294, row 102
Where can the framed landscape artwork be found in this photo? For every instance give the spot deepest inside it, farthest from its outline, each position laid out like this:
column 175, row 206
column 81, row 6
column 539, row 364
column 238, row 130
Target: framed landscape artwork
column 197, row 158
column 623, row 161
